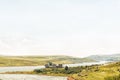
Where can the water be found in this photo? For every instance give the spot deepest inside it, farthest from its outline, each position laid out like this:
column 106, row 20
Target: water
column 29, row 77
column 86, row 64
column 30, row 68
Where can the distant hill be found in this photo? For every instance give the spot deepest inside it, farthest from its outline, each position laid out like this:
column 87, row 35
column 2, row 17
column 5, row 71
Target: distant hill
column 113, row 57
column 39, row 60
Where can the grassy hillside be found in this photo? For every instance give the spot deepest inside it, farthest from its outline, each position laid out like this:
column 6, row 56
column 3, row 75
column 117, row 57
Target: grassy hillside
column 38, row 60
column 100, row 72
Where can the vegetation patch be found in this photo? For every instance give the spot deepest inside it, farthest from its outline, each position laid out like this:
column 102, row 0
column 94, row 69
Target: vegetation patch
column 93, row 72
column 116, row 77
column 39, row 60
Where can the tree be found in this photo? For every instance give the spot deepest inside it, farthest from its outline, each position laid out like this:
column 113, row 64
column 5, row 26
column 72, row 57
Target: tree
column 66, row 68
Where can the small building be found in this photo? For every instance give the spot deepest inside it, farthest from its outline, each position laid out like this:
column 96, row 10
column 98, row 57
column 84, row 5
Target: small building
column 51, row 65
column 60, row 66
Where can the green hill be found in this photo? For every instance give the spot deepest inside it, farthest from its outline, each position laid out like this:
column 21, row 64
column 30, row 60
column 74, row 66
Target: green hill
column 39, row 60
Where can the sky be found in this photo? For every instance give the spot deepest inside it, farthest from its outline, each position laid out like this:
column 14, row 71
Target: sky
column 59, row 27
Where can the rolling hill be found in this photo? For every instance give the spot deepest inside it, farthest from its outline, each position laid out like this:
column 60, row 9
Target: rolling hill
column 113, row 57
column 39, row 60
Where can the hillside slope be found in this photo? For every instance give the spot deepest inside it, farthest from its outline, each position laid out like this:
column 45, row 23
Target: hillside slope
column 39, row 60
column 103, row 72
column 114, row 57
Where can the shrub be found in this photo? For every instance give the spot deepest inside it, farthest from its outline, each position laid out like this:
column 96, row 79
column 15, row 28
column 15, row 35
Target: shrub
column 66, row 68
column 38, row 70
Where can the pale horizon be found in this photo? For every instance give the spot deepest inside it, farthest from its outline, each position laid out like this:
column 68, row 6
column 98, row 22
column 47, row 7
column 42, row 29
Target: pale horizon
column 66, row 27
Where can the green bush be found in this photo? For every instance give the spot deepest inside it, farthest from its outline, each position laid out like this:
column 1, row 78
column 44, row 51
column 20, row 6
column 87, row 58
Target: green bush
column 38, row 70
column 66, row 70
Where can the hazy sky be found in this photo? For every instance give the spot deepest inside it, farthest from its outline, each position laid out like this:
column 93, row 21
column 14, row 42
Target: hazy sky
column 64, row 27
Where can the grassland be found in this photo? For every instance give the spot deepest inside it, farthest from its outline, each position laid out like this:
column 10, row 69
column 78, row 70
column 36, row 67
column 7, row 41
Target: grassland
column 94, row 72
column 39, row 60
column 100, row 72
